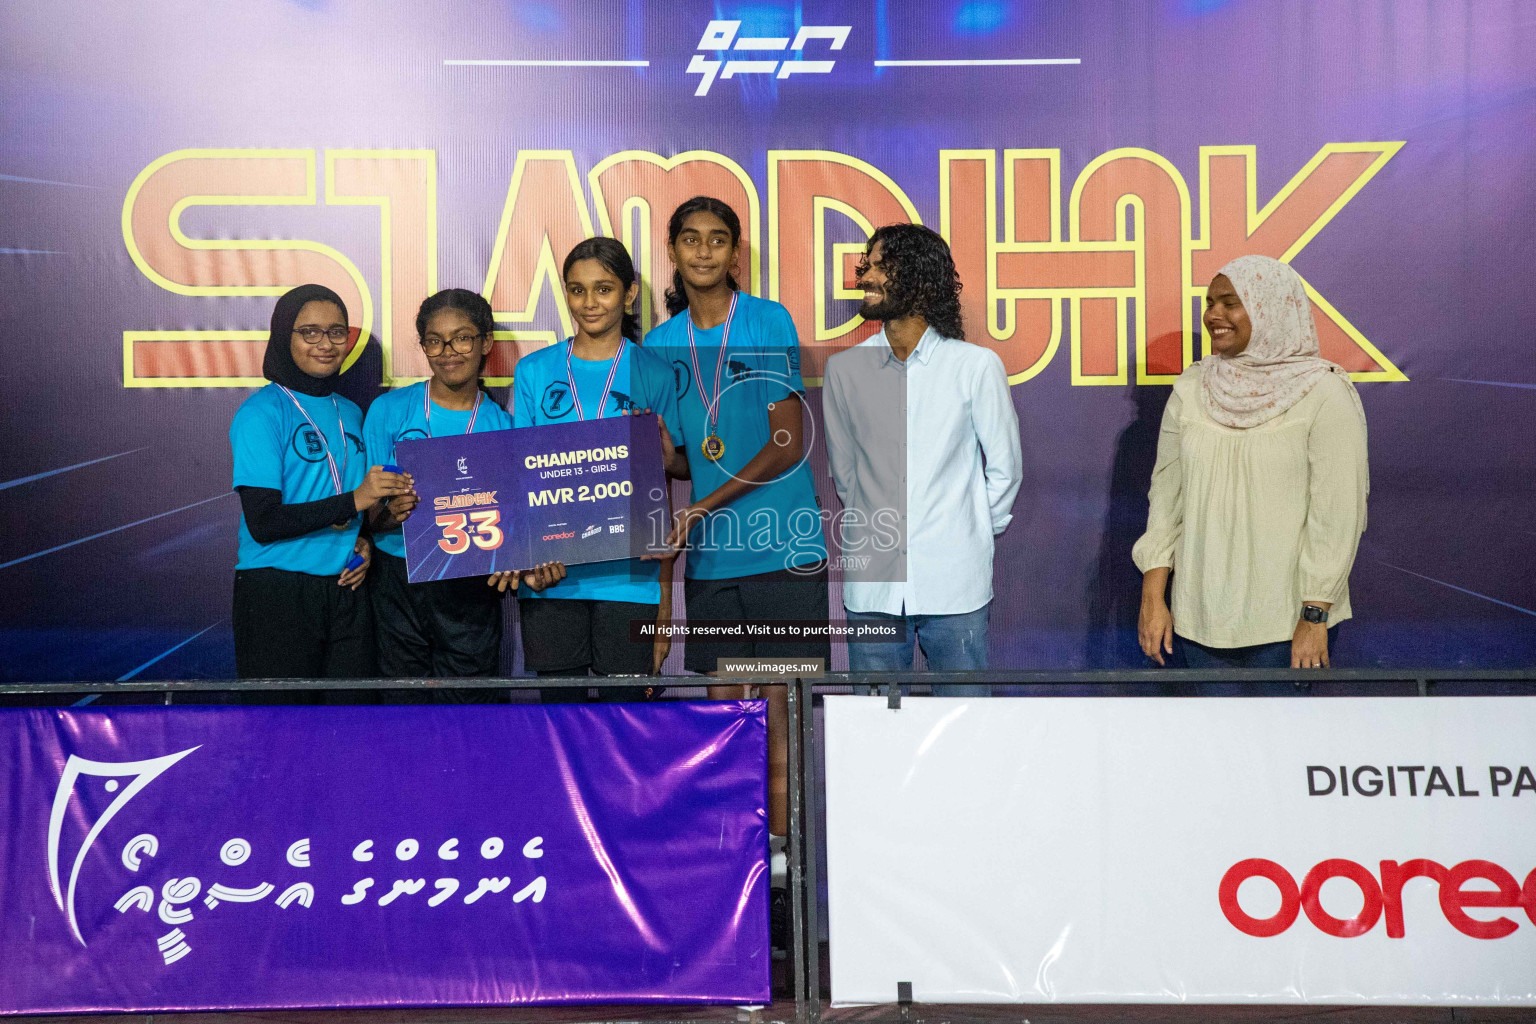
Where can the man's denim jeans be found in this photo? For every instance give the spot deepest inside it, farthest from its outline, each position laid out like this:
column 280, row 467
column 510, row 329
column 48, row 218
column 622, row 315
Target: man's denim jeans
column 950, row 643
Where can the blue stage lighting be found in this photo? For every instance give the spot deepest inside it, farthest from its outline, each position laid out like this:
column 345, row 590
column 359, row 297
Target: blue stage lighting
column 980, row 17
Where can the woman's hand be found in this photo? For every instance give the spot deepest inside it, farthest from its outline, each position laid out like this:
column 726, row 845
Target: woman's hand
column 683, row 520
column 354, row 577
column 540, row 577
column 1309, row 646
column 1154, row 628
column 662, row 645
column 378, row 485
column 400, row 507
column 673, row 461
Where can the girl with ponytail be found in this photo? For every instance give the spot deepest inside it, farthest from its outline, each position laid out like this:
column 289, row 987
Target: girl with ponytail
column 677, row 295
column 753, row 526
column 580, row 623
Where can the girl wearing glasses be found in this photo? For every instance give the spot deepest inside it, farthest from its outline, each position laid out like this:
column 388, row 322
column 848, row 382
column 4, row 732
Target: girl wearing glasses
column 303, row 480
column 445, row 627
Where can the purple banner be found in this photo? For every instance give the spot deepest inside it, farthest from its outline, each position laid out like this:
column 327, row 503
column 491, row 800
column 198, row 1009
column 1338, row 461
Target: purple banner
column 590, row 491
column 165, row 859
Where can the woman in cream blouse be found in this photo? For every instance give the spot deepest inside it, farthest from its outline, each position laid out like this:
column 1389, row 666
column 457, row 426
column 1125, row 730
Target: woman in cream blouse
column 1258, row 496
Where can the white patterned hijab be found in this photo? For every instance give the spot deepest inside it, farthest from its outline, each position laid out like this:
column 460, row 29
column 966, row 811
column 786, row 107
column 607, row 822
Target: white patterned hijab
column 1281, row 363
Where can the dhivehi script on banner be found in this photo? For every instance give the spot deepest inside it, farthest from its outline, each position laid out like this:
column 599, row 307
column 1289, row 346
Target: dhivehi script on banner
column 1339, row 850
column 164, row 859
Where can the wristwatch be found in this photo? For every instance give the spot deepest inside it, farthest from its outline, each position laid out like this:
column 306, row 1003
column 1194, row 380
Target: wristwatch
column 1312, row 613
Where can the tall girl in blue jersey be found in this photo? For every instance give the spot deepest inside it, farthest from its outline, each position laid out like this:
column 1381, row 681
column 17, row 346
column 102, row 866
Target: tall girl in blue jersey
column 752, row 527
column 300, row 609
column 442, row 628
column 580, row 624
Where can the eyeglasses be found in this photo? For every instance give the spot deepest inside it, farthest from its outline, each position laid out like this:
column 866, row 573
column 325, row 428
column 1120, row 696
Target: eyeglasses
column 463, row 344
column 312, row 334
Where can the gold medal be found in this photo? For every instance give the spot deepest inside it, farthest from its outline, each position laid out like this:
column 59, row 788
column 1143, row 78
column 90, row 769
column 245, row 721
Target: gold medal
column 712, row 446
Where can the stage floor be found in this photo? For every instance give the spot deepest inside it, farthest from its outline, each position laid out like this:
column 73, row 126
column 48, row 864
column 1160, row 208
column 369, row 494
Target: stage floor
column 782, row 1011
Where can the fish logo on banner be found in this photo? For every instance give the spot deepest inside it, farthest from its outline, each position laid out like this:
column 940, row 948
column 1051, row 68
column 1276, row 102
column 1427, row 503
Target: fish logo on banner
column 142, row 773
column 722, row 35
column 173, row 900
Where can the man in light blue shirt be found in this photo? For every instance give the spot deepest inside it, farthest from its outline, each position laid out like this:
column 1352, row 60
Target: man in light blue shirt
column 923, row 443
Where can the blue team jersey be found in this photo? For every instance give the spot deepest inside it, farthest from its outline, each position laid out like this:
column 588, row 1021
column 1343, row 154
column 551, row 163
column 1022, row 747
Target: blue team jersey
column 401, row 415
column 276, row 447
column 771, row 527
column 542, row 393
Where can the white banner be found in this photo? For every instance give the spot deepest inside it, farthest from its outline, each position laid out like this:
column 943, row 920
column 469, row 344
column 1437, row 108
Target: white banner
column 1324, row 850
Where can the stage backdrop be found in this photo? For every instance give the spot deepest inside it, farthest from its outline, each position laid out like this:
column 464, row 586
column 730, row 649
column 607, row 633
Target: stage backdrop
column 162, row 859
column 165, row 171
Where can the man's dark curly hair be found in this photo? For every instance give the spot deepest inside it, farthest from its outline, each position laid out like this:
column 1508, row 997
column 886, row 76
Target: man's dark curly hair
column 922, row 275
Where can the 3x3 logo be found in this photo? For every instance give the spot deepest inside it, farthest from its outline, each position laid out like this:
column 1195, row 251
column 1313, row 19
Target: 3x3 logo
column 722, row 35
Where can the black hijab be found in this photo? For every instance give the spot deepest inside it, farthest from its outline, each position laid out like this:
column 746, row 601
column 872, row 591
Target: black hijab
column 278, row 365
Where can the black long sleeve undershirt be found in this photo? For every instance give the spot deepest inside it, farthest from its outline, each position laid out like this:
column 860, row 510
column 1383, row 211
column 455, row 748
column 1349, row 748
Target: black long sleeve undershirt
column 269, row 520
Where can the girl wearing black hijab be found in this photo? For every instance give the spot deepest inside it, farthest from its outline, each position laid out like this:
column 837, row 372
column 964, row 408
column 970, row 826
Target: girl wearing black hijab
column 303, row 481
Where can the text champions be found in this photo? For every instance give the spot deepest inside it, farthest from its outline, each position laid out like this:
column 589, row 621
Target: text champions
column 577, row 457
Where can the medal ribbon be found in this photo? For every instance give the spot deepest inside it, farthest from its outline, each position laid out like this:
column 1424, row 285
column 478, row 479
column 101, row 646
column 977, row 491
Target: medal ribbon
column 426, row 408
column 712, row 405
column 335, row 475
column 613, row 370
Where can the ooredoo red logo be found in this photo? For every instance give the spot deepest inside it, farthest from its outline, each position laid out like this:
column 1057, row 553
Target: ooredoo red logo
column 1382, row 898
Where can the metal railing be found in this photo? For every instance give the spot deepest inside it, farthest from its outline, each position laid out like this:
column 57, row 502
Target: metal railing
column 1423, row 679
